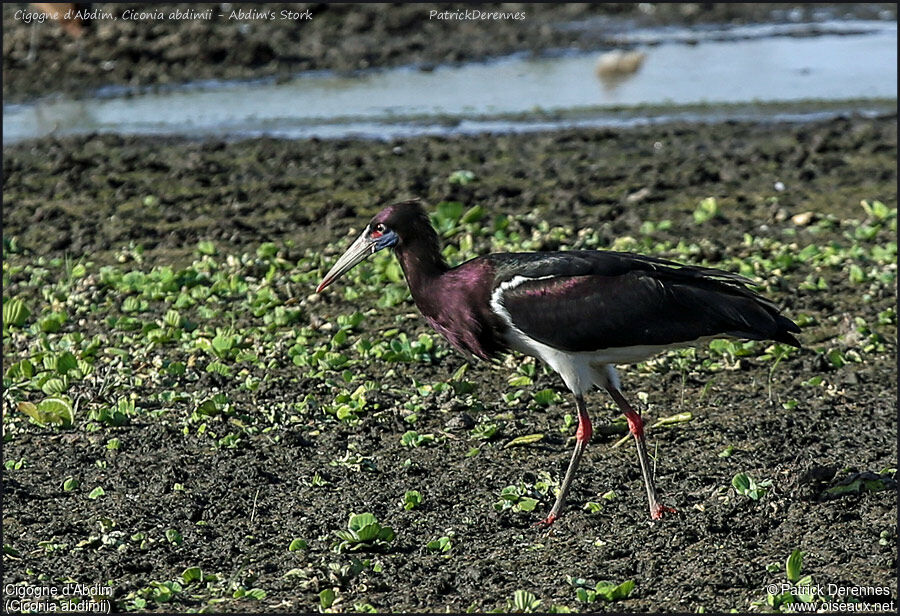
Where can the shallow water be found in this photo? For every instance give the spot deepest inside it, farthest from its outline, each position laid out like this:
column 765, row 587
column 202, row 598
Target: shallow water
column 830, row 61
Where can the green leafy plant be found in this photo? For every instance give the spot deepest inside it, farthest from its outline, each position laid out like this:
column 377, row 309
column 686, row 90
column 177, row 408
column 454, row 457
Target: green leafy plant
column 593, row 507
column 191, row 574
column 412, row 499
column 461, row 176
column 249, row 593
column 411, row 438
column 14, row 465
column 174, row 537
column 745, row 485
column 118, row 415
column 522, row 602
column 793, row 568
column 863, row 482
column 515, row 498
column 326, row 598
column 15, row 313
column 524, row 497
column 206, row 247
column 877, row 210
column 348, row 406
column 364, row 608
column 447, row 214
column 51, row 411
column 546, row 397
column 363, row 532
column 52, row 323
column 606, row 590
column 706, row 210
column 793, row 565
column 442, row 545
column 485, row 431
column 157, row 592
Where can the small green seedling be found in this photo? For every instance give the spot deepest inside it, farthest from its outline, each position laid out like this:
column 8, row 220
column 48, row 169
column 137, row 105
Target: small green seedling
column 606, row 590
column 326, row 598
column 412, row 499
column 52, row 411
column 485, row 431
column 14, row 465
column 15, row 313
column 877, row 210
column 442, row 545
column 522, row 602
column 254, row 593
column 706, row 210
column 462, row 177
column 205, row 247
column 411, row 438
column 158, row 592
column 192, row 574
column 793, row 565
column 863, row 482
column 363, row 532
column 546, row 397
column 174, row 537
column 364, row 608
column 514, row 497
column 593, row 507
column 745, row 485
column 793, row 568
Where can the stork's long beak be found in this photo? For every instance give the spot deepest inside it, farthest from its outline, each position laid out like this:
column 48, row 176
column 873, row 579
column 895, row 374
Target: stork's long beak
column 359, row 250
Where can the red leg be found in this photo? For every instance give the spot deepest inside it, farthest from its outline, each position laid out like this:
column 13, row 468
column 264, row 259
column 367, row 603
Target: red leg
column 636, row 426
column 635, row 423
column 582, row 436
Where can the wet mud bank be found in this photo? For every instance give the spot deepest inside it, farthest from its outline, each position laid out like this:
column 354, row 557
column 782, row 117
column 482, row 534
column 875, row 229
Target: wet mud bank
column 41, row 59
column 281, row 467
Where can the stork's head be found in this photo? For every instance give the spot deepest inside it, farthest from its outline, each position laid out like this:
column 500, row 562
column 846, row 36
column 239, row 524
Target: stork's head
column 391, row 227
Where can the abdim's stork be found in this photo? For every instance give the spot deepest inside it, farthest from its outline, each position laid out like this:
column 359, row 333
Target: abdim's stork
column 580, row 311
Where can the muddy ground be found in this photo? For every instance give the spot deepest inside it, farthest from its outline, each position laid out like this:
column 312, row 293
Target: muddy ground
column 86, row 199
column 277, row 470
column 41, row 59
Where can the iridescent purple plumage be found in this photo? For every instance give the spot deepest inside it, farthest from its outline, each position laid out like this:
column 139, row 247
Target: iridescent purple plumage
column 578, row 311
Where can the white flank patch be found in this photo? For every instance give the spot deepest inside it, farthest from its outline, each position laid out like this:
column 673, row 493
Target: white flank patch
column 582, row 370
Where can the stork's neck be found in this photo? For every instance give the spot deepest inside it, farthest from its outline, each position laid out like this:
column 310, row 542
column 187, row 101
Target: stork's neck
column 423, row 264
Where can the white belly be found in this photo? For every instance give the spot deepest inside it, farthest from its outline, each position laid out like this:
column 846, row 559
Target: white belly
column 580, row 370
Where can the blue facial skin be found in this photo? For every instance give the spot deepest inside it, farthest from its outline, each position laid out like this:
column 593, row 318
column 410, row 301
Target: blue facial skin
column 388, row 240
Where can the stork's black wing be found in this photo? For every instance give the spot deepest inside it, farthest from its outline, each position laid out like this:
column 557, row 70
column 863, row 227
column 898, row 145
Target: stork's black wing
column 591, row 300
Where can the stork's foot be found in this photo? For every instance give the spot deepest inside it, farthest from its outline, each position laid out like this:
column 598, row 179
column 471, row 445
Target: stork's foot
column 658, row 511
column 547, row 522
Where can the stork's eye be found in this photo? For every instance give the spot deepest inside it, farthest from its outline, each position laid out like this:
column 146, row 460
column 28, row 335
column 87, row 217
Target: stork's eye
column 379, row 230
